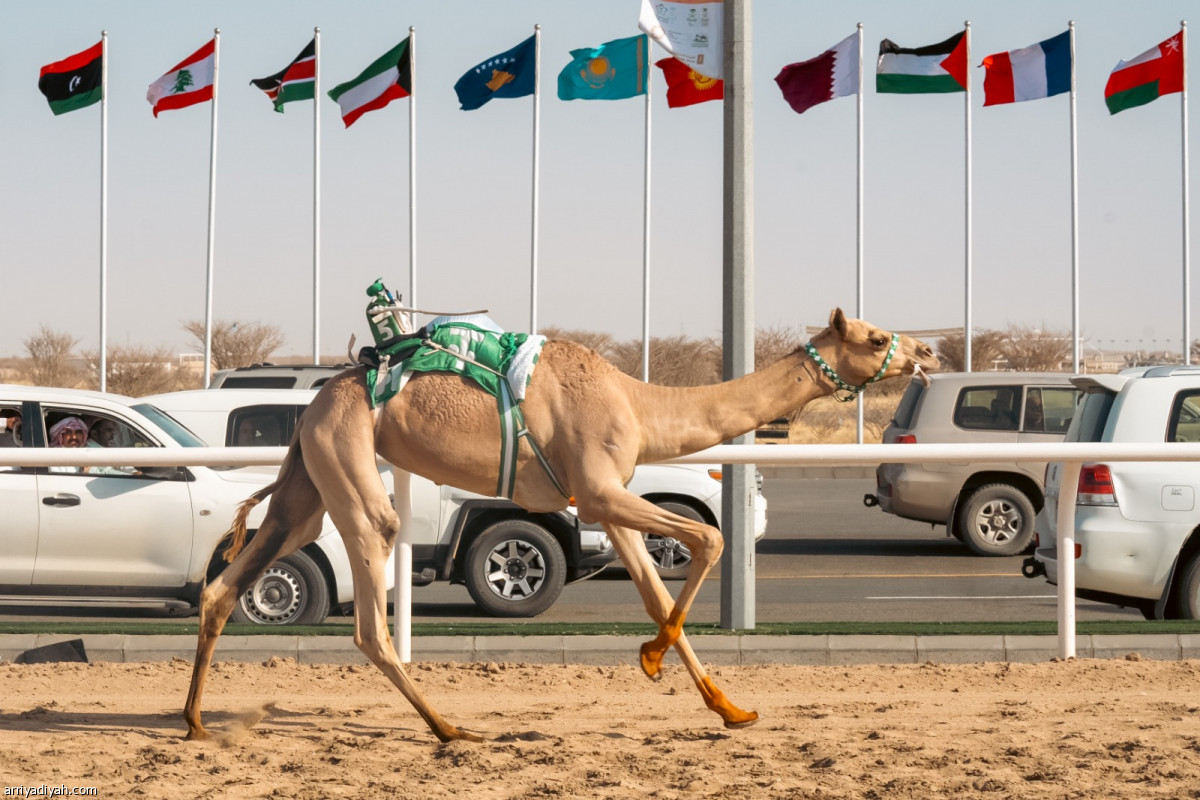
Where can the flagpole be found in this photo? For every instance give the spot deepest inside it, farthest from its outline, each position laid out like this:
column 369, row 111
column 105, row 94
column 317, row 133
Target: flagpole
column 968, row 327
column 533, row 267
column 412, row 168
column 316, row 196
column 646, row 234
column 859, row 244
column 212, row 211
column 103, row 210
column 1187, row 277
column 1074, row 214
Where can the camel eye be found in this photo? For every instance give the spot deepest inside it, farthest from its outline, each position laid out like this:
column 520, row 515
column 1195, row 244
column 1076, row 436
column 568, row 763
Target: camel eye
column 879, row 341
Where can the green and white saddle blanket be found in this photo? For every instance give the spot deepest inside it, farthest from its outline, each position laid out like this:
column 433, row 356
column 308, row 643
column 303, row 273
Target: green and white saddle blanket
column 501, row 363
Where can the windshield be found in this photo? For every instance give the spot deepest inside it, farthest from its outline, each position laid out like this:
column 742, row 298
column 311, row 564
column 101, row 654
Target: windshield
column 169, row 424
column 908, row 404
column 1091, row 417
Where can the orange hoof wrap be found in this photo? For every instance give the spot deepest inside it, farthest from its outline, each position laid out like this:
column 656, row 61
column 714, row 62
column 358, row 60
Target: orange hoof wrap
column 651, row 658
column 654, row 650
column 716, row 700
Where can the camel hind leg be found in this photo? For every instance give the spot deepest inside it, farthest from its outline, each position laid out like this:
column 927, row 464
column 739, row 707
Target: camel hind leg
column 292, row 521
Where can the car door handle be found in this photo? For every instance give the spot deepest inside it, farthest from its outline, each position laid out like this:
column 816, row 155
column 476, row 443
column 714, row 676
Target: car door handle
column 61, row 499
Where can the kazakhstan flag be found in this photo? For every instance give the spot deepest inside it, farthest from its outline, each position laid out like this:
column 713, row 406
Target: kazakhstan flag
column 613, row 71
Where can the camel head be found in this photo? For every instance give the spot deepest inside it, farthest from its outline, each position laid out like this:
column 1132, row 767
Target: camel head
column 852, row 353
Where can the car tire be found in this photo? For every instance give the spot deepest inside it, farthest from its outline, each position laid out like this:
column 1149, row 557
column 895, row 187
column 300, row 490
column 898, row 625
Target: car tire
column 1189, row 590
column 515, row 568
column 997, row 520
column 672, row 558
column 291, row 590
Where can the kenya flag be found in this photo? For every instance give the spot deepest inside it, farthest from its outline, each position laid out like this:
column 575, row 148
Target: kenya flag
column 187, row 83
column 293, row 82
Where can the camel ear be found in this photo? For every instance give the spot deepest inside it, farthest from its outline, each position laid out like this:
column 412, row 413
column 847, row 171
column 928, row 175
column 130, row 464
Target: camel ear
column 837, row 321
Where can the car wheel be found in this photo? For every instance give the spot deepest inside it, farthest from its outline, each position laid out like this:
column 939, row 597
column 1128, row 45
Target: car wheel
column 515, row 568
column 672, row 558
column 1189, row 590
column 997, row 520
column 292, row 590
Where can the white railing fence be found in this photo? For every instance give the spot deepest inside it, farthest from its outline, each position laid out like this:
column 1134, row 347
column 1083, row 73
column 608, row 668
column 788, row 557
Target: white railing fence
column 1074, row 455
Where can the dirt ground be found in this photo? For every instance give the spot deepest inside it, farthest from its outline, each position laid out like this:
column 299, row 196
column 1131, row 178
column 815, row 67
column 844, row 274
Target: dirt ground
column 1117, row 729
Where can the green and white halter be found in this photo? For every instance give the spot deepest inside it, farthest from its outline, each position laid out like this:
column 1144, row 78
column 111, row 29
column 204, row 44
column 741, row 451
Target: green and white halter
column 851, row 390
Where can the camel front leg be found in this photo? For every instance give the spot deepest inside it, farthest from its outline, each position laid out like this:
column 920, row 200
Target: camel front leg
column 666, row 612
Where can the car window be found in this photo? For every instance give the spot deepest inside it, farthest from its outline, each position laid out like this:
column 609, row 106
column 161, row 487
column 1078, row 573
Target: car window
column 11, row 430
column 1185, row 418
column 260, row 426
column 162, row 419
column 68, row 427
column 988, row 408
column 1049, row 410
column 1090, row 418
column 259, row 382
column 908, row 405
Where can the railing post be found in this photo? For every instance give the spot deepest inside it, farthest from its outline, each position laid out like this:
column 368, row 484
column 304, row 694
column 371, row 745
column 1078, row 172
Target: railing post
column 402, row 590
column 1068, row 491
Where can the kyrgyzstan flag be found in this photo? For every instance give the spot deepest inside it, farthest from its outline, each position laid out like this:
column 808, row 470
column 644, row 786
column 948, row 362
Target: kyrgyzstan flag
column 686, row 87
column 74, row 82
column 187, row 83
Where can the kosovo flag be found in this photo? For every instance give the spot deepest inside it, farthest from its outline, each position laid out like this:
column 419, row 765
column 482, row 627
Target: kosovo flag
column 509, row 74
column 613, row 71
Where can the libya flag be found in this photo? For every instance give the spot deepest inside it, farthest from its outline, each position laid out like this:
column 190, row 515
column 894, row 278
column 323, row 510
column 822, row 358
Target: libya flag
column 1156, row 72
column 388, row 78
column 293, row 82
column 74, row 82
column 935, row 68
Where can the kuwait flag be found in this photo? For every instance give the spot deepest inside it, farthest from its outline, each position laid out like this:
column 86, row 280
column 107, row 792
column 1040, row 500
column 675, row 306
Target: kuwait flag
column 293, row 82
column 73, row 82
column 938, row 67
column 1031, row 73
column 686, row 87
column 1156, row 72
column 388, row 78
column 187, row 83
column 832, row 74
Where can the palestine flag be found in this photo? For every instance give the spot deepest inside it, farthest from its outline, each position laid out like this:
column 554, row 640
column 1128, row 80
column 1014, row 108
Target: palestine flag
column 1156, row 72
column 73, row 82
column 934, row 68
column 293, row 82
column 388, row 78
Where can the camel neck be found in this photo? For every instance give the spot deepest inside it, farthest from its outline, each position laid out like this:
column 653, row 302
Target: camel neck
column 681, row 420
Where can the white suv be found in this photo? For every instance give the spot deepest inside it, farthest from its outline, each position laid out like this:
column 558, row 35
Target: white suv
column 1135, row 522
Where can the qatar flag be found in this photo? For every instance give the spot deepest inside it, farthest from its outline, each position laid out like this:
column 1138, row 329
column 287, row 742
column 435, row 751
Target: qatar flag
column 832, row 74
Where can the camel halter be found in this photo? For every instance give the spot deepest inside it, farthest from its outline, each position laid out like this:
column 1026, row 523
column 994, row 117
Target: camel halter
column 852, row 391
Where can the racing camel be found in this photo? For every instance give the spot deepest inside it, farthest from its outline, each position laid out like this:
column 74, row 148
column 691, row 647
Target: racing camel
column 593, row 423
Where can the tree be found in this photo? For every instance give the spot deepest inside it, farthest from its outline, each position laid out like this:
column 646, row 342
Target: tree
column 135, row 371
column 1035, row 350
column 235, row 344
column 985, row 350
column 50, row 353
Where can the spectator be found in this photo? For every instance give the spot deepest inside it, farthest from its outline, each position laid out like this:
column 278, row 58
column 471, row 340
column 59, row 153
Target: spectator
column 10, row 427
column 69, row 432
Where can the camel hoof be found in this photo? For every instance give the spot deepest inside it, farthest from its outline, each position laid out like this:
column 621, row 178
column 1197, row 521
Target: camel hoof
column 651, row 660
column 455, row 734
column 196, row 735
column 750, row 719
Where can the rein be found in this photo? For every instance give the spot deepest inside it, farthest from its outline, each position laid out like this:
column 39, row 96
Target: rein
column 852, row 391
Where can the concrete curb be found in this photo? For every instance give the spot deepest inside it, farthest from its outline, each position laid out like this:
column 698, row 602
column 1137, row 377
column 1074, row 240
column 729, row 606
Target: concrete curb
column 819, row 650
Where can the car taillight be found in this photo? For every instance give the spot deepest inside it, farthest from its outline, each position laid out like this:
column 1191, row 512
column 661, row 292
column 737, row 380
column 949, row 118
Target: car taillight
column 906, row 438
column 1096, row 486
column 716, row 474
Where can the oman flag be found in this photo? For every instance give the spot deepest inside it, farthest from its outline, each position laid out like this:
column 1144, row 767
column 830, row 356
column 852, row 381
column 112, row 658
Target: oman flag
column 1156, row 72
column 388, row 78
column 187, row 83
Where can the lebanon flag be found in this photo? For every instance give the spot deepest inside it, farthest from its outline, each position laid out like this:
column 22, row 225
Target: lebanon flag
column 1156, row 72
column 388, row 78
column 832, row 74
column 1031, row 73
column 940, row 67
column 74, row 82
column 293, row 82
column 185, row 84
column 686, row 87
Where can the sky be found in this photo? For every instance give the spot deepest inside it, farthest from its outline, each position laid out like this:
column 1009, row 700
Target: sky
column 474, row 184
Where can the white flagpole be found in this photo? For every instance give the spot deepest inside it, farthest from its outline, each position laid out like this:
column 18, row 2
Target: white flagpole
column 860, row 255
column 533, row 269
column 212, row 212
column 646, row 234
column 316, row 196
column 1187, row 269
column 412, row 168
column 103, row 210
column 968, row 326
column 1074, row 215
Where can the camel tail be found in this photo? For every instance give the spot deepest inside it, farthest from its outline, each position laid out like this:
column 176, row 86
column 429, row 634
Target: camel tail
column 238, row 529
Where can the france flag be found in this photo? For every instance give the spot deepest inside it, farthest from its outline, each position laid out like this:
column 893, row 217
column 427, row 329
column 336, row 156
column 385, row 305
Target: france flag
column 1031, row 73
